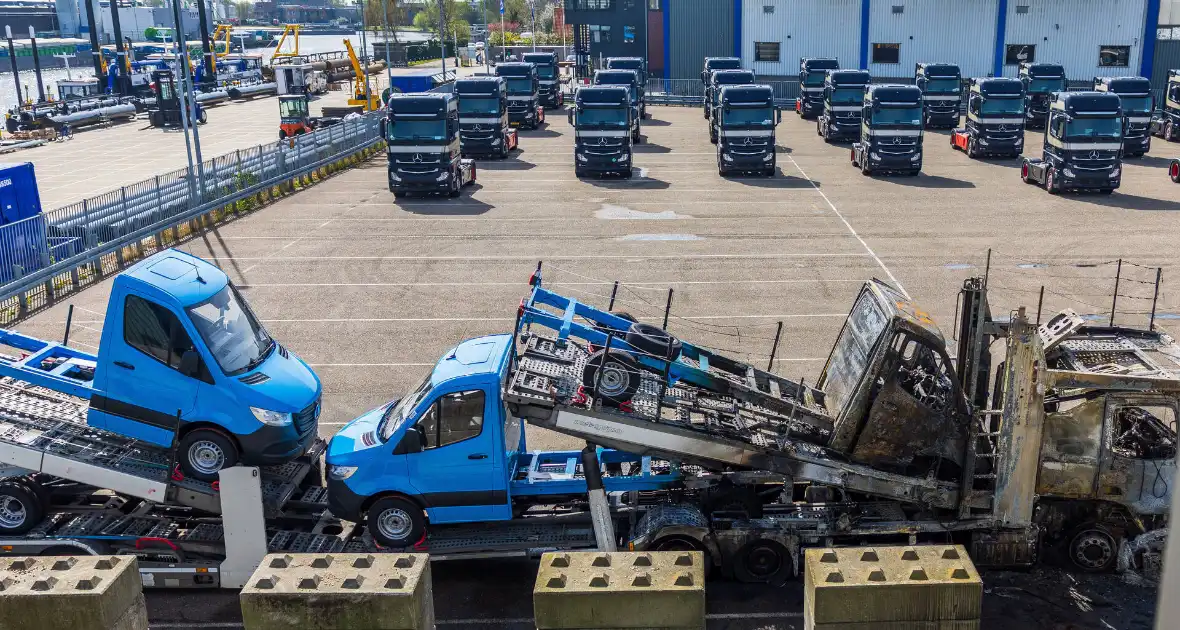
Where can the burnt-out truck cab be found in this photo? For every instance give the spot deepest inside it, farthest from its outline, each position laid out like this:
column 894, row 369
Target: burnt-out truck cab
column 1040, row 81
column 1083, row 145
column 1137, row 103
column 995, row 119
column 890, row 131
column 942, row 93
column 844, row 95
column 813, row 71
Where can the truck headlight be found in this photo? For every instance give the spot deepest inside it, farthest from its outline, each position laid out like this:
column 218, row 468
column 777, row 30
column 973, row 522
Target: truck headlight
column 623, row 158
column 1116, row 172
column 442, row 177
column 1067, row 172
column 982, row 142
column 768, row 157
column 394, row 177
column 495, row 142
column 726, row 157
column 915, row 157
column 340, row 473
column 272, row 418
column 874, row 157
column 581, row 158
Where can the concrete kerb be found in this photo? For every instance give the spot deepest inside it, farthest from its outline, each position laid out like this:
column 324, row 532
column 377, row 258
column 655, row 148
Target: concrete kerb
column 74, row 592
column 659, row 589
column 384, row 591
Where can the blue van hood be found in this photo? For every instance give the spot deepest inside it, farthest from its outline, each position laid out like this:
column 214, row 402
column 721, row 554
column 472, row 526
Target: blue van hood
column 290, row 386
column 356, row 436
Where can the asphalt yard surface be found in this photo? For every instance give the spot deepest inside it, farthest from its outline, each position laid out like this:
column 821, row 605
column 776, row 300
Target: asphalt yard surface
column 371, row 291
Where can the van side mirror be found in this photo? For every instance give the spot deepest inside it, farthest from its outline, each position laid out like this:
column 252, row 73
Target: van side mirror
column 413, row 441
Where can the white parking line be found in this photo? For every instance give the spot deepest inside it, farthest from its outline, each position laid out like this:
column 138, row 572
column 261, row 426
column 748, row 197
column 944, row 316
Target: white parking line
column 848, row 225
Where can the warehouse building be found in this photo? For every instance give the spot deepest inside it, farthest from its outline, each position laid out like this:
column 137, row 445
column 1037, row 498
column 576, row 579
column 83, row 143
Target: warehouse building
column 887, row 37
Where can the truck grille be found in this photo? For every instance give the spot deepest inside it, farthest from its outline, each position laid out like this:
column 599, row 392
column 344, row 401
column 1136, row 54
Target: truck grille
column 305, row 420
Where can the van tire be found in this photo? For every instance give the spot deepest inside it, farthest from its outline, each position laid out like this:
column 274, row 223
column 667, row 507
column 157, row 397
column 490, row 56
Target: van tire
column 620, row 376
column 653, row 340
column 204, row 452
column 395, row 522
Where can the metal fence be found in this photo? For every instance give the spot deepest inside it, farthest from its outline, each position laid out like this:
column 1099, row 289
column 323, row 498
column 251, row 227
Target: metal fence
column 60, row 250
column 691, row 92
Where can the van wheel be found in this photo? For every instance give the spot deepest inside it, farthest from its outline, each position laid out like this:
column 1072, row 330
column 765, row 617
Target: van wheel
column 204, row 452
column 20, row 508
column 395, row 522
column 619, row 379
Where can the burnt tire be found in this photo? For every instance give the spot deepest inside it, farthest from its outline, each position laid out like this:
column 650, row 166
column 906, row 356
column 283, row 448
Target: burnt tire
column 395, row 522
column 763, row 561
column 204, row 452
column 619, row 379
column 1093, row 548
column 653, row 340
column 21, row 508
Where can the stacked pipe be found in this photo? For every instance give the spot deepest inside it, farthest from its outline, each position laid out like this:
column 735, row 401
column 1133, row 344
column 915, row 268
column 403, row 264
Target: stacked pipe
column 91, row 116
column 252, row 91
column 347, row 73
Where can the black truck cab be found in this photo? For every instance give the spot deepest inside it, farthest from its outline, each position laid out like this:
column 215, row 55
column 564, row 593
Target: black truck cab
column 719, row 78
column 483, row 117
column 628, row 79
column 719, row 63
column 1040, row 81
column 1167, row 124
column 844, row 95
column 745, row 118
column 422, row 144
column 524, row 96
column 995, row 118
column 601, row 118
column 640, row 67
column 942, row 93
column 1135, row 99
column 1083, row 144
column 548, row 85
column 890, row 131
column 813, row 71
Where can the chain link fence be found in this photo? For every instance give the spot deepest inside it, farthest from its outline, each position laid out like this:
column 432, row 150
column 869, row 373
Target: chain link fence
column 59, row 251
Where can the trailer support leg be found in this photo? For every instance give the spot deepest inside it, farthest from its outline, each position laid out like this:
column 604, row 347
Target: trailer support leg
column 604, row 527
column 244, row 522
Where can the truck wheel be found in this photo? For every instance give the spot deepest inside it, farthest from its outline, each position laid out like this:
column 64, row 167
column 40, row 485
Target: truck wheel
column 865, row 169
column 762, row 561
column 712, row 136
column 1051, row 184
column 395, row 522
column 1093, row 548
column 653, row 340
column 629, row 173
column 456, row 184
column 202, row 117
column 619, row 380
column 578, row 172
column 203, row 452
column 819, row 129
column 504, row 149
column 1174, row 171
column 1168, row 129
column 20, row 508
column 971, row 152
column 1024, row 173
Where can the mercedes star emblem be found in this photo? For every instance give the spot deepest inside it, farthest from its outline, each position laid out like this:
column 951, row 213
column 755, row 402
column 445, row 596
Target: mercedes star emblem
column 1093, row 155
column 749, row 140
column 478, row 128
column 602, row 140
column 417, row 157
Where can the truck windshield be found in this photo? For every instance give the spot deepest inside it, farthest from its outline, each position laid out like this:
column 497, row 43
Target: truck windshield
column 815, row 78
column 1094, row 128
column 479, row 105
column 1002, row 106
column 909, row 116
column 545, row 72
column 231, row 332
column 1045, row 86
column 602, row 117
column 948, row 85
column 520, row 85
column 850, row 356
column 1136, row 104
column 848, row 96
column 748, row 117
column 396, row 414
column 418, row 130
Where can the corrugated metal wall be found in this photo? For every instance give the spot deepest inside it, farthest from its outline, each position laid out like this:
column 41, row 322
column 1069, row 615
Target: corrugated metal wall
column 1167, row 56
column 698, row 29
column 803, row 28
column 1070, row 32
column 931, row 30
column 1170, row 12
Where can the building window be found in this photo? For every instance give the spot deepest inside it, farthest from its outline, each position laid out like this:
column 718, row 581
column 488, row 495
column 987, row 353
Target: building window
column 1021, row 9
column 768, row 8
column 886, row 53
column 593, row 5
column 1114, row 56
column 628, row 5
column 1016, row 54
column 766, row 51
column 897, row 8
column 599, row 34
column 653, row 5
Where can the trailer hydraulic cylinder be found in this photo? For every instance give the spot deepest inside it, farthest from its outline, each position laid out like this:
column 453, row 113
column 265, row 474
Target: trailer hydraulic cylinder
column 604, row 527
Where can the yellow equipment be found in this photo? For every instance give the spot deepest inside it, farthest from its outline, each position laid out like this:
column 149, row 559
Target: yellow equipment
column 293, row 31
column 361, row 94
column 221, row 32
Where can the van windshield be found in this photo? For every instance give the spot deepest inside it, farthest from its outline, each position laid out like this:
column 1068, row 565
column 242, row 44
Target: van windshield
column 396, row 414
column 231, row 332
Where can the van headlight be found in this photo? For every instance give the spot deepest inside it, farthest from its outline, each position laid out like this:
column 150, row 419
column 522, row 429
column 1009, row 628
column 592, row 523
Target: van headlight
column 272, row 418
column 340, row 473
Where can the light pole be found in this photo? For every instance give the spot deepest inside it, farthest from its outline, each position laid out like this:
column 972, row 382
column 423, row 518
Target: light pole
column 442, row 37
column 388, row 63
column 185, row 119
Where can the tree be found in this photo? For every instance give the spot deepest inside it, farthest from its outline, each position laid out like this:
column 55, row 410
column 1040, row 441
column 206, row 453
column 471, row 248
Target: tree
column 243, row 9
column 375, row 14
column 456, row 23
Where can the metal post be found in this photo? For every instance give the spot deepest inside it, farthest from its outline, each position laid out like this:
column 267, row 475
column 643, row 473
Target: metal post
column 1155, row 297
column 12, row 60
column 604, row 527
column 37, row 65
column 774, row 349
column 1040, row 301
column 95, row 47
column 613, row 291
column 122, row 81
column 533, row 14
column 1114, row 302
column 987, row 268
column 365, row 56
column 65, row 340
column 184, row 93
column 667, row 308
column 206, row 48
column 442, row 36
column 388, row 62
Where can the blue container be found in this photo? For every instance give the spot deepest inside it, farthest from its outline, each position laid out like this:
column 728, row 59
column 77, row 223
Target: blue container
column 19, row 198
column 23, row 246
column 418, row 81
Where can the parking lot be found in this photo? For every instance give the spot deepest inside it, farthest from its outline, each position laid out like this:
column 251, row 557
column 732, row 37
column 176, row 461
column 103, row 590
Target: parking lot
column 371, row 291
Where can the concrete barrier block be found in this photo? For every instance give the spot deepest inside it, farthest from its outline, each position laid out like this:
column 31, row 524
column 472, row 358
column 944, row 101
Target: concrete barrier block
column 929, row 583
column 384, row 591
column 74, row 592
column 659, row 589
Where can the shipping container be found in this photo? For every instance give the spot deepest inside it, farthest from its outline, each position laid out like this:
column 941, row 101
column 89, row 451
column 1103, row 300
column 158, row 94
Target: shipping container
column 23, row 247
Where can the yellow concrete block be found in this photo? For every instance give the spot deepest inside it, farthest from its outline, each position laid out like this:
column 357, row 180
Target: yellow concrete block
column 658, row 589
column 880, row 584
column 71, row 592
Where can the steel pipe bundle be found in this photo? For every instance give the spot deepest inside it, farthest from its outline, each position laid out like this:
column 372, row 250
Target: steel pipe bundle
column 251, row 91
column 212, row 98
column 97, row 115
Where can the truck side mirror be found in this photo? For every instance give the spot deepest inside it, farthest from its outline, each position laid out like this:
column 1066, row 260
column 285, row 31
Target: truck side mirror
column 569, row 114
column 778, row 115
column 413, row 441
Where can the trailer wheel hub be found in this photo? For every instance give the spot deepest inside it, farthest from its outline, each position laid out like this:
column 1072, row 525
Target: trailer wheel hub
column 394, row 523
column 612, row 380
column 206, row 457
column 12, row 512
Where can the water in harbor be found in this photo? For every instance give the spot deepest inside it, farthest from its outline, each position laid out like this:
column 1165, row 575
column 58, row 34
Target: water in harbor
column 80, row 68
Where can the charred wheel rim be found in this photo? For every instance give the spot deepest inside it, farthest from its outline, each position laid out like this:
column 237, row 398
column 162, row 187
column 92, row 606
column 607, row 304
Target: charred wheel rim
column 206, row 457
column 764, row 560
column 1093, row 550
column 12, row 512
column 395, row 523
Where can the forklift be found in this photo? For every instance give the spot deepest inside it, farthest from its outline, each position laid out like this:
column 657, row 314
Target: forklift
column 167, row 112
column 295, row 117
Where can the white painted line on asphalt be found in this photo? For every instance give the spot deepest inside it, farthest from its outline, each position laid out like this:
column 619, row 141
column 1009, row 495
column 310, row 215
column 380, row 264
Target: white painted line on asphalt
column 831, row 205
column 650, row 284
column 535, row 257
